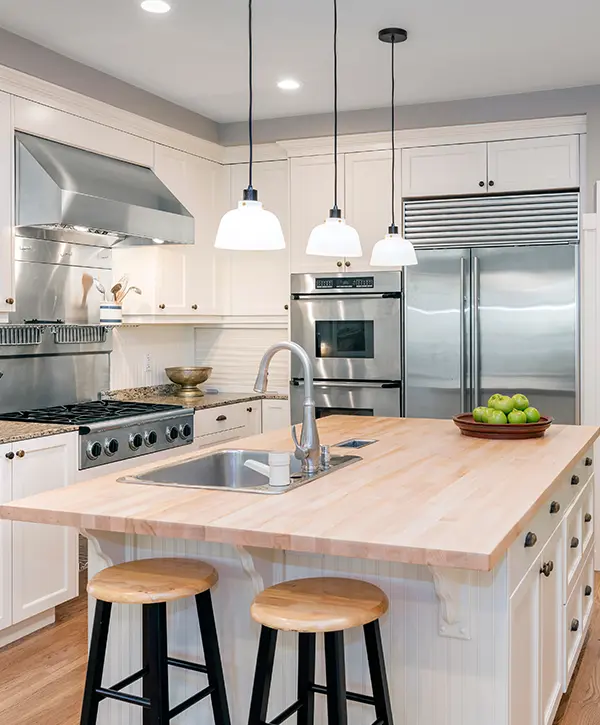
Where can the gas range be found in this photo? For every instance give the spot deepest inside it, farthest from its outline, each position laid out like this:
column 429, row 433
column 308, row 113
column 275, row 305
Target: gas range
column 113, row 430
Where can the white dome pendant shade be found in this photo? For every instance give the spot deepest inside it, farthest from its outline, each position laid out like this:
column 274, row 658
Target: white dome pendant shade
column 250, row 227
column 334, row 238
column 393, row 250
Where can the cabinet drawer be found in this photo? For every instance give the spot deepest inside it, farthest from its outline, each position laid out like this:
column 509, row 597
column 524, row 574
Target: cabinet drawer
column 573, row 631
column 587, row 512
column 574, row 544
column 221, row 437
column 223, row 418
column 587, row 589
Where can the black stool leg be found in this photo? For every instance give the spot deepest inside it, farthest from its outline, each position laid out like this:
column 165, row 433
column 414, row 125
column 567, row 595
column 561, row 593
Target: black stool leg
column 306, row 678
column 146, row 684
column 335, row 675
column 95, row 668
column 381, row 695
column 212, row 656
column 262, row 676
column 157, row 683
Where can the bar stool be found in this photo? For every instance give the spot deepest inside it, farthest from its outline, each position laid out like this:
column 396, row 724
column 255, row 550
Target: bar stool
column 310, row 606
column 152, row 583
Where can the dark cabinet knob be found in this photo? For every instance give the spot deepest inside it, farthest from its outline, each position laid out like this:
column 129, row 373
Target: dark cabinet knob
column 194, row 307
column 554, row 507
column 530, row 540
column 588, row 461
column 161, row 306
column 221, row 418
column 588, row 591
column 339, row 264
column 286, row 307
column 490, row 183
column 574, row 542
column 10, row 301
column 21, row 454
column 575, row 481
column 547, row 568
column 574, row 625
column 347, row 263
column 249, row 410
column 587, row 518
column 482, row 183
column 10, row 455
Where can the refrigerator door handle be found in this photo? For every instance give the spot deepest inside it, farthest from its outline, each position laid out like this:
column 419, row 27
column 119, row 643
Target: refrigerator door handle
column 476, row 350
column 462, row 363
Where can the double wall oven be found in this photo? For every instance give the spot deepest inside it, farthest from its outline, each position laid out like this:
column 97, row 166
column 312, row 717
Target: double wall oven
column 351, row 328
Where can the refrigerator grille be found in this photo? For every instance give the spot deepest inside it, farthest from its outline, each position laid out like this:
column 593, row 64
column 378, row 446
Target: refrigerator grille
column 486, row 220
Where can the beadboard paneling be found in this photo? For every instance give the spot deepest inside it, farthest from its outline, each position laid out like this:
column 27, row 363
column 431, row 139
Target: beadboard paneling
column 234, row 354
column 167, row 345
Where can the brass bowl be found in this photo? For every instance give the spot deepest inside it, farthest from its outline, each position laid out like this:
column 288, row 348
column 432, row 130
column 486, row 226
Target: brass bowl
column 188, row 378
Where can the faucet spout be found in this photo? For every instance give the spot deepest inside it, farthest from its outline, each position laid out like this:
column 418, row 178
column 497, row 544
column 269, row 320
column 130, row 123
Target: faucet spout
column 308, row 449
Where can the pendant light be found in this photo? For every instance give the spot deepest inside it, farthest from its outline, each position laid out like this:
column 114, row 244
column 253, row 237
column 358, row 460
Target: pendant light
column 334, row 238
column 250, row 227
column 393, row 250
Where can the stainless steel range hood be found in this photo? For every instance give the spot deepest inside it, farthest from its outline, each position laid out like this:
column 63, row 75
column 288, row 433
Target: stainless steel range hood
column 68, row 194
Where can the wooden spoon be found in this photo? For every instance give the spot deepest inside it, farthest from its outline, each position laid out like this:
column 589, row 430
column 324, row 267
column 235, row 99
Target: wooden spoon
column 87, row 282
column 115, row 289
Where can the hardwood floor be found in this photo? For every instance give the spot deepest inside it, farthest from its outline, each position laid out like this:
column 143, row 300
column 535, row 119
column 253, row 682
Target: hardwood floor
column 41, row 677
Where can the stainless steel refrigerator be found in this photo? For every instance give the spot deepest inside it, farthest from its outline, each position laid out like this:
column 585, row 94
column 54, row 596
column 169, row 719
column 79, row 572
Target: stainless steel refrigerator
column 492, row 305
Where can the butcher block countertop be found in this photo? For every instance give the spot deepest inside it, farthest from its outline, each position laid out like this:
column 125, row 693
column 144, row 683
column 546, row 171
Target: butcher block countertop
column 423, row 494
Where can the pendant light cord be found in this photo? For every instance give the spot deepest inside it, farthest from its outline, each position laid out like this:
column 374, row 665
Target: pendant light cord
column 335, row 107
column 393, row 139
column 250, row 94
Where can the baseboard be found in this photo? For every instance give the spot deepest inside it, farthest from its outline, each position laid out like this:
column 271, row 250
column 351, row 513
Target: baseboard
column 22, row 629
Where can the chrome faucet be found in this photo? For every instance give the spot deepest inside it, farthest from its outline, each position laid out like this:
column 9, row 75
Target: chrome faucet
column 308, row 450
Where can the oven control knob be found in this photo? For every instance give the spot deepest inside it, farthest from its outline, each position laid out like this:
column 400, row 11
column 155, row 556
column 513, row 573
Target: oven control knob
column 111, row 446
column 135, row 441
column 185, row 431
column 93, row 450
column 150, row 438
column 172, row 434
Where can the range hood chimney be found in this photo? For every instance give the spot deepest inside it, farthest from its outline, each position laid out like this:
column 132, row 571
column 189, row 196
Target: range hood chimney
column 78, row 196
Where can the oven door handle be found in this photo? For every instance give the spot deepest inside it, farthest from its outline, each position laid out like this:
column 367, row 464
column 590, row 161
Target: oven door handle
column 298, row 382
column 347, row 297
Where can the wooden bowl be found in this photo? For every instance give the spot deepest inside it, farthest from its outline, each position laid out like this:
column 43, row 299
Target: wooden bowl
column 469, row 427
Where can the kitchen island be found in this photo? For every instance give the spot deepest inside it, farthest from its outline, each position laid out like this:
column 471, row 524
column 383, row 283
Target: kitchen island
column 460, row 533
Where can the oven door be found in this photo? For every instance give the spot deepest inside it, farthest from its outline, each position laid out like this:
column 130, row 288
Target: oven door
column 344, row 398
column 349, row 337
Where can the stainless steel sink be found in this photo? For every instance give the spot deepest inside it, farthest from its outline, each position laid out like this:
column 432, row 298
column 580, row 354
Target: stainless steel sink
column 225, row 469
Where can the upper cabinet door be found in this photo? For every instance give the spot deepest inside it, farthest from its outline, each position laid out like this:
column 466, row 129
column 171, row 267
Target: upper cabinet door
column 5, row 541
column 260, row 281
column 444, row 170
column 311, row 198
column 6, row 206
column 368, row 204
column 534, row 164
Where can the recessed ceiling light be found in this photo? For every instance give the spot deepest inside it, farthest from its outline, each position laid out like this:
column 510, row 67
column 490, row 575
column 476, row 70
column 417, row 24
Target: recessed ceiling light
column 288, row 84
column 155, row 6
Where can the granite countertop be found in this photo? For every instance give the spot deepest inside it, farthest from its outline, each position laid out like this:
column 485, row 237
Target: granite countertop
column 165, row 395
column 14, row 430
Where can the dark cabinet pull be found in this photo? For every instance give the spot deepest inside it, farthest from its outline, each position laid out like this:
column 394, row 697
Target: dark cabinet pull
column 10, row 455
column 530, row 540
column 339, row 264
column 574, row 625
column 547, row 568
column 21, row 454
column 194, row 307
column 574, row 542
column 587, row 518
column 482, row 183
column 221, row 418
column 588, row 591
column 554, row 507
column 249, row 410
column 161, row 306
column 10, row 301
column 490, row 183
column 575, row 481
column 588, row 461
column 347, row 263
column 286, row 307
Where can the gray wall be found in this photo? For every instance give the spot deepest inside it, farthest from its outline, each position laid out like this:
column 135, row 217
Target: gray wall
column 35, row 60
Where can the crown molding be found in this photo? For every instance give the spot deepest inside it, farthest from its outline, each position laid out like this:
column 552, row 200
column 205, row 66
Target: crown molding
column 262, row 152
column 34, row 89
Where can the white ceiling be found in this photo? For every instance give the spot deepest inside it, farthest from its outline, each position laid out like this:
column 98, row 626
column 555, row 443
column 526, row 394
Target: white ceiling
column 196, row 54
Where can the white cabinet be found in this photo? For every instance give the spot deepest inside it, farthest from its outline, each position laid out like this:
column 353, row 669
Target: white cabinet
column 45, row 558
column 533, row 163
column 179, row 280
column 368, row 200
column 259, row 282
column 275, row 415
column 311, row 198
column 5, row 540
column 444, row 170
column 6, row 205
column 227, row 422
column 524, row 650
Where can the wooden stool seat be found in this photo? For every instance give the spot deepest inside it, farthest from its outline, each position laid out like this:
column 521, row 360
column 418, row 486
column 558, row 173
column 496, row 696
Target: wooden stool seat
column 322, row 604
column 152, row 581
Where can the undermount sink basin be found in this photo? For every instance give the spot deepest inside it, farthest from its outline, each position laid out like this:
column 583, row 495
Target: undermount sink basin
column 225, row 470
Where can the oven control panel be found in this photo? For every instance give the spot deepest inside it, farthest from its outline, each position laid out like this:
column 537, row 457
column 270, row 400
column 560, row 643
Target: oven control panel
column 344, row 283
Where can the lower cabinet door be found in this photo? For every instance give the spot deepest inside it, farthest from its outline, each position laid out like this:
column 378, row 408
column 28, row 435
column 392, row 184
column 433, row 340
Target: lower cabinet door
column 551, row 626
column 5, row 540
column 524, row 650
column 45, row 558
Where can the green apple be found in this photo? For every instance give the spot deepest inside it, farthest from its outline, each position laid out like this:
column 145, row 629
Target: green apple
column 497, row 417
column 486, row 414
column 517, row 417
column 478, row 414
column 521, row 401
column 533, row 415
column 504, row 403
column 493, row 399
